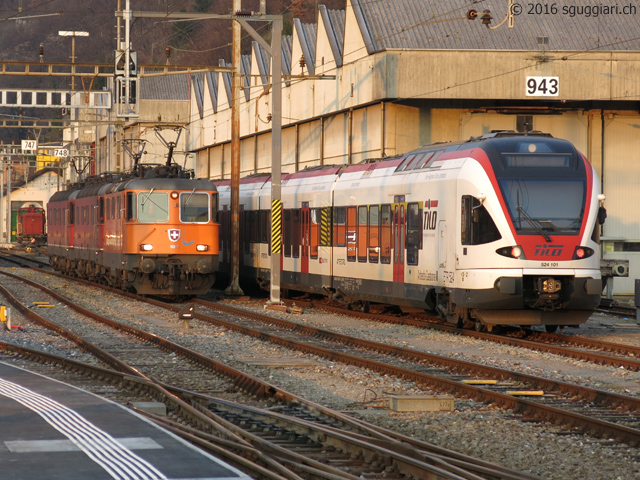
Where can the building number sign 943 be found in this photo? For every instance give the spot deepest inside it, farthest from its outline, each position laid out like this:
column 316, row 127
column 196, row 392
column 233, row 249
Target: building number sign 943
column 542, row 86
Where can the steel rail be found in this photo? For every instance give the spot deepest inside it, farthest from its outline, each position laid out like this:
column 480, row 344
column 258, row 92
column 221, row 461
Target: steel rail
column 252, row 385
column 632, row 364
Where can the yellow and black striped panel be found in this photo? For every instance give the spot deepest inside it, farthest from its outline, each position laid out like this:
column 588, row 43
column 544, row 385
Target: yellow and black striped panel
column 325, row 226
column 276, row 226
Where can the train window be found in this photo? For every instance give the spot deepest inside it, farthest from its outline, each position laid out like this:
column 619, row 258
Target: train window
column 119, row 207
column 225, row 232
column 72, row 209
column 214, row 206
column 194, row 207
column 385, row 234
column 314, row 234
column 295, row 229
column 414, row 233
column 243, row 222
column 131, row 207
column 545, row 206
column 263, row 218
column 374, row 233
column 477, row 226
column 405, row 163
column 286, row 231
column 153, row 207
column 101, row 210
column 363, row 234
column 92, row 209
column 339, row 227
column 425, row 160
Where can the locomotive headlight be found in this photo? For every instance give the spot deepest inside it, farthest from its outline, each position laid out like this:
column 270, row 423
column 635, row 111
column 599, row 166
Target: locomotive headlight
column 174, row 195
column 202, row 248
column 512, row 252
column 582, row 252
column 146, row 247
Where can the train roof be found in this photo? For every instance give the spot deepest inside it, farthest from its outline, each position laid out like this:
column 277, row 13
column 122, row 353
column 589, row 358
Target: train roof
column 494, row 144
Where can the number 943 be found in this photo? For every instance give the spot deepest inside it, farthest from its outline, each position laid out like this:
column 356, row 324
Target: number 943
column 542, row 86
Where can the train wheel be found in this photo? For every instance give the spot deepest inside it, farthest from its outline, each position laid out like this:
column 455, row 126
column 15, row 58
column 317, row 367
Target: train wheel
column 551, row 328
column 478, row 326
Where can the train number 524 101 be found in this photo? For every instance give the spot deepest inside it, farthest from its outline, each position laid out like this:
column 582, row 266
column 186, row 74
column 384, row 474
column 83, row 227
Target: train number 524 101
column 549, row 264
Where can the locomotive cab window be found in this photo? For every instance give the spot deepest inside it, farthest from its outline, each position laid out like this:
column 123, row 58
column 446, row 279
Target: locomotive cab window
column 194, row 207
column 131, row 207
column 478, row 227
column 153, row 207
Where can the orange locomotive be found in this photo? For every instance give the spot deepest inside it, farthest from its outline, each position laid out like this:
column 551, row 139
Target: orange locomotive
column 153, row 231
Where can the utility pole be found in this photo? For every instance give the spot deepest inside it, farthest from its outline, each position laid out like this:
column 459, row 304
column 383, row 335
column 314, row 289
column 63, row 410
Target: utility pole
column 234, row 285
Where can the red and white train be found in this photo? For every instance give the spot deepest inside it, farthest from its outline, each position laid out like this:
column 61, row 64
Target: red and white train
column 500, row 229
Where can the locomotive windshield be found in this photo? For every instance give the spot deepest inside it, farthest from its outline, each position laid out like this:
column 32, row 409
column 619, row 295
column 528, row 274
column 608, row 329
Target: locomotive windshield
column 194, row 207
column 153, row 207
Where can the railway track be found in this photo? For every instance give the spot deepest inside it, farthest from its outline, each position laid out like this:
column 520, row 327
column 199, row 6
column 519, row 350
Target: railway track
column 576, row 347
column 588, row 410
column 325, row 444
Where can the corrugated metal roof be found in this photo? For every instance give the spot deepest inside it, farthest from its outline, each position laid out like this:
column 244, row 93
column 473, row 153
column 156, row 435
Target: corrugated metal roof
column 287, row 46
column 168, row 87
column 212, row 82
column 245, row 71
column 334, row 21
column 263, row 60
column 307, row 33
column 197, row 80
column 429, row 24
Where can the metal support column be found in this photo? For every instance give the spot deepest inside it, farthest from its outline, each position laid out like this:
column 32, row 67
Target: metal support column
column 276, row 158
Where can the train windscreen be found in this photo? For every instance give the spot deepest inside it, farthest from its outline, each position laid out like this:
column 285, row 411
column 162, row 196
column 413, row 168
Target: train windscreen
column 153, row 207
column 194, row 207
column 545, row 206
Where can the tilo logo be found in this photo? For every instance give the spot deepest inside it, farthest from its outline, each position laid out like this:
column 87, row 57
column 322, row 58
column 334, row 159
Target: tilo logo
column 430, row 216
column 548, row 250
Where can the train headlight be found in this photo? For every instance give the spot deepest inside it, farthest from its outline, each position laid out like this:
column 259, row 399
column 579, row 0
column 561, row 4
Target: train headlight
column 512, row 252
column 202, row 248
column 582, row 252
column 174, row 195
column 146, row 247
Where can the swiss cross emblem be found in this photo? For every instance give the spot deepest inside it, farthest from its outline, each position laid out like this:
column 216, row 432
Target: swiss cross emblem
column 174, row 234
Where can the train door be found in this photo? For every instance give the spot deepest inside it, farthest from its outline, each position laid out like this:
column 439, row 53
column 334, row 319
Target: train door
column 305, row 237
column 71, row 222
column 100, row 223
column 352, row 218
column 442, row 244
column 399, row 233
